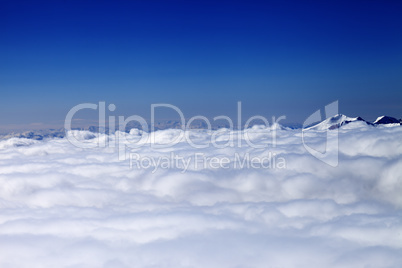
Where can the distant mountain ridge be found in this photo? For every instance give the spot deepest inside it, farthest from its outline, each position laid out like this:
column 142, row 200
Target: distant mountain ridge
column 331, row 123
column 341, row 120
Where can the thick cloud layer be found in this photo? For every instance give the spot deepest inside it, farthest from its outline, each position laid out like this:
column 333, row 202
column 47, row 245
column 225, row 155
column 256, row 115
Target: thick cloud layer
column 64, row 206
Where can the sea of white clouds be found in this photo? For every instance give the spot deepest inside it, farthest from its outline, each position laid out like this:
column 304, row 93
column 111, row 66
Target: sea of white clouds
column 65, row 206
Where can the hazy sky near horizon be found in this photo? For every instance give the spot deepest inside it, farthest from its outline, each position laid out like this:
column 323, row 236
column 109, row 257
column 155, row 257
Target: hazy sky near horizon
column 288, row 58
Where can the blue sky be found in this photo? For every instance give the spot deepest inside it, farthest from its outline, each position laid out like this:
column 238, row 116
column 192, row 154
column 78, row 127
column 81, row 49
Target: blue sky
column 278, row 58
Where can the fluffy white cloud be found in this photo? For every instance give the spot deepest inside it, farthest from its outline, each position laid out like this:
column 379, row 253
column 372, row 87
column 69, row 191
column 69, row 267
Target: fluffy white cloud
column 64, row 206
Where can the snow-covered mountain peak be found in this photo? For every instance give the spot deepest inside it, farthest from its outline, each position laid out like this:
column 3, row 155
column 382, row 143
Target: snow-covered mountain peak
column 337, row 121
column 386, row 120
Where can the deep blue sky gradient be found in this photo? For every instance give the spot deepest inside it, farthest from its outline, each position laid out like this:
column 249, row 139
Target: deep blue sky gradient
column 277, row 57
